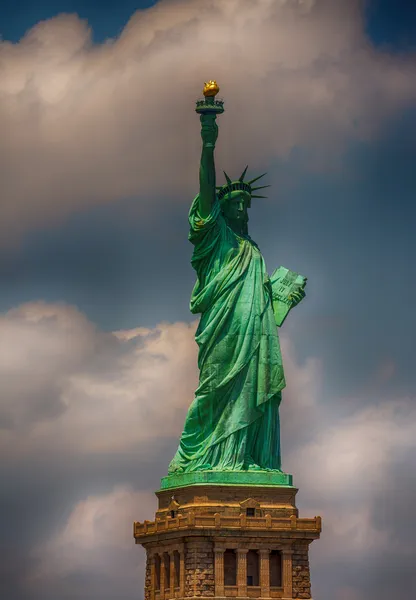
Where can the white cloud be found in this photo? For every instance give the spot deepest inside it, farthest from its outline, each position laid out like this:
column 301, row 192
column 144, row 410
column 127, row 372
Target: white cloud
column 65, row 381
column 40, row 347
column 344, row 470
column 88, row 124
column 97, row 538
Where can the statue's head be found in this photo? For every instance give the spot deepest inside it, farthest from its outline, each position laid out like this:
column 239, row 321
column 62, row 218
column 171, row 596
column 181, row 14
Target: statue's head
column 235, row 199
column 234, row 207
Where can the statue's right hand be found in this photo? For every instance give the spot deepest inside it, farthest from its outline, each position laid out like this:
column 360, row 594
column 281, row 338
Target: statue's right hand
column 209, row 129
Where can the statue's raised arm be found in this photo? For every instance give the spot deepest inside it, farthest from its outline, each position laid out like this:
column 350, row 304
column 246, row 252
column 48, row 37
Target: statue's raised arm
column 208, row 110
column 209, row 134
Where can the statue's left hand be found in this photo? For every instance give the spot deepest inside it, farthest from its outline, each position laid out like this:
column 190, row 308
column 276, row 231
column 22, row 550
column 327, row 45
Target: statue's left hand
column 297, row 296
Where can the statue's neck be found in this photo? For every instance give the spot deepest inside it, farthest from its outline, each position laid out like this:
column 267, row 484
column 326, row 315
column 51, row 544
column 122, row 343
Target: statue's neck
column 237, row 227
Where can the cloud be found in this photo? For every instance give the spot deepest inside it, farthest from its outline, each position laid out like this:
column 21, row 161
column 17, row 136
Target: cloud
column 64, row 380
column 45, row 344
column 347, row 463
column 97, row 539
column 86, row 124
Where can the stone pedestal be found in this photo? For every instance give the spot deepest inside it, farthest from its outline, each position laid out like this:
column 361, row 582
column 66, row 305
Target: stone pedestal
column 205, row 537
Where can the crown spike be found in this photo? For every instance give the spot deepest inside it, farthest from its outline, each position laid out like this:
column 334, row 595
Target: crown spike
column 256, row 196
column 260, row 187
column 227, row 178
column 243, row 174
column 256, row 178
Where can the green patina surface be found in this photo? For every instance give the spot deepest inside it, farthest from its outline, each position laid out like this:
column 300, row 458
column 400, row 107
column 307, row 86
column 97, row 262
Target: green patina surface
column 232, row 430
column 260, row 478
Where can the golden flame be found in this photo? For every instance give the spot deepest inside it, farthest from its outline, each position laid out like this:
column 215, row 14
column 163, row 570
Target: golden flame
column 211, row 88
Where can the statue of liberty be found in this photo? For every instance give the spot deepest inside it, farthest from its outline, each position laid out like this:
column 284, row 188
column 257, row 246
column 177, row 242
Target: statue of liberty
column 233, row 421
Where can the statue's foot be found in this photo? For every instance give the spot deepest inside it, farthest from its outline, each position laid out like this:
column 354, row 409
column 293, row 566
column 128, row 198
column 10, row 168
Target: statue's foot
column 175, row 470
column 254, row 467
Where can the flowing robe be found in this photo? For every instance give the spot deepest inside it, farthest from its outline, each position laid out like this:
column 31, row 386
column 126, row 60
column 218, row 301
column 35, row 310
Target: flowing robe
column 233, row 421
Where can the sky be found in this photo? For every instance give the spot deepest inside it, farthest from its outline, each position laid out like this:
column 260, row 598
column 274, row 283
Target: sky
column 99, row 157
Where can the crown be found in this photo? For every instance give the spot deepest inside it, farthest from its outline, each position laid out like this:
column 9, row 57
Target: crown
column 240, row 184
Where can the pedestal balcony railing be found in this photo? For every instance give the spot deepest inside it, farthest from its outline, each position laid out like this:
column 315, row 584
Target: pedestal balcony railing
column 192, row 521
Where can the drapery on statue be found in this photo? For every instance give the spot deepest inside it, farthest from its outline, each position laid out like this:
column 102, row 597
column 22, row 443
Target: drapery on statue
column 233, row 421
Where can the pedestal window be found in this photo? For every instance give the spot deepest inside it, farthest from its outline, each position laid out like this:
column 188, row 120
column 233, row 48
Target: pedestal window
column 230, row 567
column 157, row 572
column 177, row 568
column 253, row 578
column 166, row 564
column 275, row 568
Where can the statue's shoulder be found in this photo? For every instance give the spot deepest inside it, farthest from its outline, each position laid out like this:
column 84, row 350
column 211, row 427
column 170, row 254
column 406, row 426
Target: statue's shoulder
column 200, row 223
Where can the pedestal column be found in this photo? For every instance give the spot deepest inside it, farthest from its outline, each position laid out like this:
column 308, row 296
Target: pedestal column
column 219, row 572
column 287, row 574
column 265, row 572
column 241, row 572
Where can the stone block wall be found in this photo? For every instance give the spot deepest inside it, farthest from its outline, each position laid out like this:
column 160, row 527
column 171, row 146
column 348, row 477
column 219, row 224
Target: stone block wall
column 301, row 574
column 199, row 569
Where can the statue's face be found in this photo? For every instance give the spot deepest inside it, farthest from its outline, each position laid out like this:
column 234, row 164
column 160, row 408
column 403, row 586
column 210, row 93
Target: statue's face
column 235, row 207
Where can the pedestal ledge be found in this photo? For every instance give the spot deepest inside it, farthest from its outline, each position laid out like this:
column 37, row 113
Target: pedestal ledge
column 251, row 478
